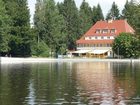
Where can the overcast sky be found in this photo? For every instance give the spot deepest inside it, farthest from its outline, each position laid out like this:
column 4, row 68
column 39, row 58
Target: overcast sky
column 105, row 5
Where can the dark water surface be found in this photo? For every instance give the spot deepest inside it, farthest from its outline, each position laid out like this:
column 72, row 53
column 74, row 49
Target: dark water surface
column 70, row 83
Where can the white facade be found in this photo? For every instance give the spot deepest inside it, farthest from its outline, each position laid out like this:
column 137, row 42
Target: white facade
column 99, row 37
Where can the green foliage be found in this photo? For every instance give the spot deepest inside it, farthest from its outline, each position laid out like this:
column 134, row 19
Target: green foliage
column 40, row 49
column 71, row 17
column 50, row 26
column 97, row 14
column 38, row 46
column 85, row 14
column 113, row 13
column 4, row 29
column 20, row 36
column 131, row 12
column 136, row 48
column 126, row 45
column 39, row 18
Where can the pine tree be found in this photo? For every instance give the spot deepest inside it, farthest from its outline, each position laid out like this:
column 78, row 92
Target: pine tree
column 39, row 18
column 85, row 17
column 97, row 14
column 60, row 7
column 54, row 24
column 20, row 39
column 70, row 14
column 39, row 47
column 113, row 13
column 4, row 29
column 131, row 12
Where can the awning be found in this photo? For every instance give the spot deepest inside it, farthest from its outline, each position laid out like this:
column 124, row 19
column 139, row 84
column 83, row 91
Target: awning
column 81, row 51
column 99, row 51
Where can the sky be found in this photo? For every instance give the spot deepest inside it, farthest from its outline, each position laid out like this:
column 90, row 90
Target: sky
column 105, row 5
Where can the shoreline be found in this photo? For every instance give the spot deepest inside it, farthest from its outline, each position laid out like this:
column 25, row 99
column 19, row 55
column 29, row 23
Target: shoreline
column 4, row 60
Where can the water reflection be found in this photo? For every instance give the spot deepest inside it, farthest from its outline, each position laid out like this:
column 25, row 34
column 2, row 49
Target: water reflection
column 52, row 84
column 107, row 83
column 126, row 83
column 14, row 84
column 70, row 83
column 97, row 82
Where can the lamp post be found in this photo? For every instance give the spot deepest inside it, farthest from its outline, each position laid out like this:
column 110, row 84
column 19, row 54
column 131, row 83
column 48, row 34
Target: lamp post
column 118, row 52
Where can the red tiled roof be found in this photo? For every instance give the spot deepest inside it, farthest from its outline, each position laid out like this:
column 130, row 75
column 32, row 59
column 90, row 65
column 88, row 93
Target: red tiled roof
column 119, row 26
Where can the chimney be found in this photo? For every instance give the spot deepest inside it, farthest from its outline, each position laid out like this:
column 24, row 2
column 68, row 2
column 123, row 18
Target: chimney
column 110, row 21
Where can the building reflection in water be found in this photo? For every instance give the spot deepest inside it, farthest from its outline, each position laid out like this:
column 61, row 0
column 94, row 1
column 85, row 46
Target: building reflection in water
column 100, row 84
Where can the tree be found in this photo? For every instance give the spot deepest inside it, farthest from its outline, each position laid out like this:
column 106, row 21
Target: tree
column 128, row 12
column 40, row 49
column 135, row 47
column 39, row 18
column 71, row 17
column 49, row 26
column 54, row 23
column 113, row 13
column 4, row 29
column 131, row 12
column 97, row 14
column 20, row 36
column 39, row 46
column 85, row 14
column 126, row 45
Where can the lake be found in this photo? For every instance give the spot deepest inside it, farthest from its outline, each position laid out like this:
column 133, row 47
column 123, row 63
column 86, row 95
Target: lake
column 70, row 83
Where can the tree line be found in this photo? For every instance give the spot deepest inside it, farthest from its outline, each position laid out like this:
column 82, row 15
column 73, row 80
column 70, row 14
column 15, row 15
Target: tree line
column 56, row 27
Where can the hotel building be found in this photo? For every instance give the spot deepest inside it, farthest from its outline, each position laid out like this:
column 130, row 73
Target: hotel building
column 98, row 40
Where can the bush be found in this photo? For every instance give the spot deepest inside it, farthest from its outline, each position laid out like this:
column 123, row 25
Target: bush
column 40, row 50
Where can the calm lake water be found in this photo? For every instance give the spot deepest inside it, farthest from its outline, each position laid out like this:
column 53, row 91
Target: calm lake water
column 70, row 83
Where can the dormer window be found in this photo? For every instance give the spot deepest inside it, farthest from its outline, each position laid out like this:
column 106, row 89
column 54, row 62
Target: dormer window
column 112, row 31
column 105, row 31
column 97, row 31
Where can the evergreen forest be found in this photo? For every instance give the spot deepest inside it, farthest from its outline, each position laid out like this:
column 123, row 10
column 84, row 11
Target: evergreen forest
column 56, row 26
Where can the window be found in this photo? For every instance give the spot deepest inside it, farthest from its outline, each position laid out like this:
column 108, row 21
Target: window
column 102, row 37
column 108, row 45
column 86, row 45
column 96, row 37
column 97, row 30
column 78, row 45
column 112, row 31
column 105, row 31
column 90, row 38
column 108, row 37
